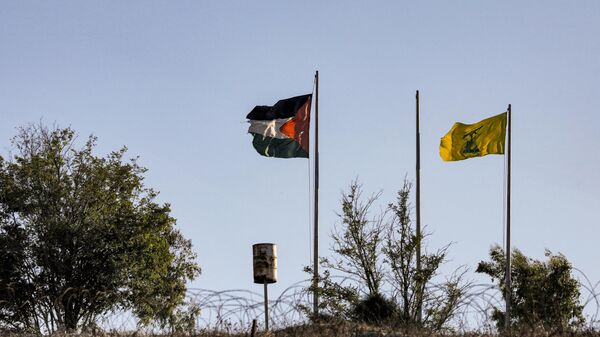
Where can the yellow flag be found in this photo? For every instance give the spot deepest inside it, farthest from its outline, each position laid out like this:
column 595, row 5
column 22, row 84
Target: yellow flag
column 465, row 141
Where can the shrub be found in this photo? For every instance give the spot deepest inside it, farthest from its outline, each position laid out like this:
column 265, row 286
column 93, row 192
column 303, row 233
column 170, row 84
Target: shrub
column 374, row 309
column 544, row 294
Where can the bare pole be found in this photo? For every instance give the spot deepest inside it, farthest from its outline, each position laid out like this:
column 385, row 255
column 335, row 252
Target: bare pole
column 508, row 294
column 316, row 207
column 418, row 202
column 266, row 307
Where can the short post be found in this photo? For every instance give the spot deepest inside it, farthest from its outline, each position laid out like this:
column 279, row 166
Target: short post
column 253, row 330
column 265, row 270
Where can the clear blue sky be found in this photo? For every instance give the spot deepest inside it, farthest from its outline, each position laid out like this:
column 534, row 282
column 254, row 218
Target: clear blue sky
column 173, row 80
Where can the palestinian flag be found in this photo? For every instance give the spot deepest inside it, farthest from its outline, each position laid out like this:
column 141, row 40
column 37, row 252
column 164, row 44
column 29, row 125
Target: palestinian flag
column 281, row 130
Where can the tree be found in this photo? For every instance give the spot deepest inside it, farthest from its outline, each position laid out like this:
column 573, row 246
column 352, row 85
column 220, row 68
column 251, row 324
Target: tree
column 544, row 294
column 378, row 254
column 81, row 235
column 412, row 287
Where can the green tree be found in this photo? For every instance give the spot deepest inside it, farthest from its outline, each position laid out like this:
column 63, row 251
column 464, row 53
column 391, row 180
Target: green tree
column 81, row 235
column 544, row 294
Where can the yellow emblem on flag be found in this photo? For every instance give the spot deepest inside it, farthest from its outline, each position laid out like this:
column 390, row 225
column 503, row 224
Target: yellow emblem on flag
column 465, row 141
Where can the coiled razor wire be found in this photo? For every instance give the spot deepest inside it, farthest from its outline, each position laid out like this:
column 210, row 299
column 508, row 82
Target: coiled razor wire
column 234, row 310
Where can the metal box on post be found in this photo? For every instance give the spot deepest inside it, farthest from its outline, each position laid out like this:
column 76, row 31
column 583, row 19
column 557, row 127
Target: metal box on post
column 264, row 262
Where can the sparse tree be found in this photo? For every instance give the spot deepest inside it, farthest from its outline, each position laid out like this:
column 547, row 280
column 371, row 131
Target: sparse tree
column 377, row 252
column 412, row 288
column 80, row 235
column 357, row 248
column 357, row 242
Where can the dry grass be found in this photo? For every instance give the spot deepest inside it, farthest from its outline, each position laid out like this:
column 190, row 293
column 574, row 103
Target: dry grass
column 325, row 330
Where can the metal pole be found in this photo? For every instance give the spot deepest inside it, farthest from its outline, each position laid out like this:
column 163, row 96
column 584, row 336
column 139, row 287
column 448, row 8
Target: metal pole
column 418, row 202
column 316, row 208
column 508, row 294
column 266, row 307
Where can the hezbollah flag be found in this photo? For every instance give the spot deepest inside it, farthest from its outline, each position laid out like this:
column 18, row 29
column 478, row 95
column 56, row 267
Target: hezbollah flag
column 281, row 130
column 465, row 141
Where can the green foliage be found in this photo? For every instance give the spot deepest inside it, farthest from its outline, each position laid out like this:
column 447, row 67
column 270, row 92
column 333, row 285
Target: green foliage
column 336, row 300
column 80, row 235
column 544, row 294
column 373, row 254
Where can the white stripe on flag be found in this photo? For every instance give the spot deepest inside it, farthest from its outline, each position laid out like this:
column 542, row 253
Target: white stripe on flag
column 268, row 128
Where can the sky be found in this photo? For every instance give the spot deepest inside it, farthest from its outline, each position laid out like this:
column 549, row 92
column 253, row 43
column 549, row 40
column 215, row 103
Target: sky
column 174, row 80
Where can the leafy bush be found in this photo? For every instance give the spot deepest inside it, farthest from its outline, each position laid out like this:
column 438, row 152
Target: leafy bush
column 544, row 294
column 374, row 309
column 336, row 300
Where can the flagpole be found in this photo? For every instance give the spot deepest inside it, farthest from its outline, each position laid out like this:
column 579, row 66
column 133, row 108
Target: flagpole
column 316, row 206
column 508, row 284
column 418, row 201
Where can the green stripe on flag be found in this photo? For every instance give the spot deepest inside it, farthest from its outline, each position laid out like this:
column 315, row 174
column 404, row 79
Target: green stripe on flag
column 279, row 148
